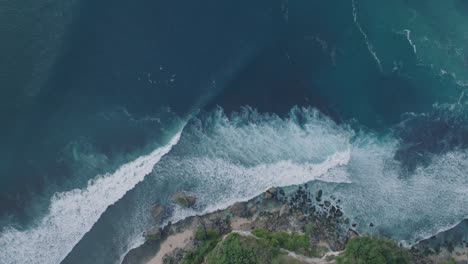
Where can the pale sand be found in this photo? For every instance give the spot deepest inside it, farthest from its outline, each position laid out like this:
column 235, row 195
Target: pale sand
column 179, row 240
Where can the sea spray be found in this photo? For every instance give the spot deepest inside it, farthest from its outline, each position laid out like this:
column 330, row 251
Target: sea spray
column 228, row 158
column 72, row 214
column 224, row 158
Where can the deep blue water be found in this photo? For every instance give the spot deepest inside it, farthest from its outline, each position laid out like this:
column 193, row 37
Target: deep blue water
column 88, row 86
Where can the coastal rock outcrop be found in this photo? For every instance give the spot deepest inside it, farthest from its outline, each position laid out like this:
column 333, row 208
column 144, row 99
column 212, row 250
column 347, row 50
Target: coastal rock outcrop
column 184, row 199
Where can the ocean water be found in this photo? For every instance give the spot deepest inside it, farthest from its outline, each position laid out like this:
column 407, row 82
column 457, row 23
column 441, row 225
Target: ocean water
column 108, row 107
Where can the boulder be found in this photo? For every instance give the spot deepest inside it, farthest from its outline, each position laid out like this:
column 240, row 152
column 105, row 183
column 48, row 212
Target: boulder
column 319, row 194
column 157, row 211
column 270, row 193
column 153, row 234
column 183, row 199
column 351, row 234
column 239, row 209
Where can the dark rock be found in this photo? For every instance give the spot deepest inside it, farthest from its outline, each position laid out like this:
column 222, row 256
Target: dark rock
column 327, row 203
column 183, row 199
column 157, row 211
column 371, row 224
column 319, row 194
column 281, row 191
column 239, row 209
column 354, row 225
column 270, row 193
column 338, row 213
column 153, row 234
column 351, row 234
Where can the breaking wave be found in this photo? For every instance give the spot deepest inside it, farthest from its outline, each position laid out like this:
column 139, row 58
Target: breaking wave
column 73, row 213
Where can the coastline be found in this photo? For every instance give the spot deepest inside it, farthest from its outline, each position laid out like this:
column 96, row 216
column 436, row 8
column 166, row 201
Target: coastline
column 273, row 211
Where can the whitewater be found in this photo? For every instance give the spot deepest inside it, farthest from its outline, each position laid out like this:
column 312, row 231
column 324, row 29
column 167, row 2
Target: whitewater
column 73, row 213
column 225, row 158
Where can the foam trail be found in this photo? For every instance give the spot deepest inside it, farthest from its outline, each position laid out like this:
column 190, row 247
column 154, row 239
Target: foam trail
column 243, row 183
column 223, row 159
column 242, row 155
column 366, row 38
column 407, row 33
column 72, row 214
column 406, row 209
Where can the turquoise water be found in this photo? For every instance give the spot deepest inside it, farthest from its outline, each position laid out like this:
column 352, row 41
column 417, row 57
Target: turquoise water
column 109, row 107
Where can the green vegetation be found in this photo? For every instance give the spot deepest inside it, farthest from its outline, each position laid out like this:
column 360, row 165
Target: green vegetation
column 370, row 250
column 263, row 247
column 450, row 261
column 153, row 237
column 209, row 238
column 310, row 228
column 290, row 241
column 236, row 249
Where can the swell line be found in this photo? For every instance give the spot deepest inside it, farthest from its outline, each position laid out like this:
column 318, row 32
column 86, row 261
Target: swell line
column 73, row 213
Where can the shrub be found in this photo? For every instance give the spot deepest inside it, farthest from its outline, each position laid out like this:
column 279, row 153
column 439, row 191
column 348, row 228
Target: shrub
column 310, row 228
column 450, row 261
column 370, row 250
column 290, row 241
column 233, row 250
column 208, row 242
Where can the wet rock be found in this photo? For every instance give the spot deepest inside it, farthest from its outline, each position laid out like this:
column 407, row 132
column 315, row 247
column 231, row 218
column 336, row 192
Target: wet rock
column 281, row 191
column 157, row 212
column 183, row 199
column 319, row 194
column 351, row 234
column 153, row 234
column 338, row 213
column 239, row 209
column 270, row 193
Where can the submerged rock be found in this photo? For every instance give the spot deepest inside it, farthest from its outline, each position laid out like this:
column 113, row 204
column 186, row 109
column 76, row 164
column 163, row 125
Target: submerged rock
column 157, row 211
column 183, row 199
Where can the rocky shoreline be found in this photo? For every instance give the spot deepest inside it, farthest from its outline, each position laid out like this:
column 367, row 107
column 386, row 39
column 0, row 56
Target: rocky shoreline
column 303, row 214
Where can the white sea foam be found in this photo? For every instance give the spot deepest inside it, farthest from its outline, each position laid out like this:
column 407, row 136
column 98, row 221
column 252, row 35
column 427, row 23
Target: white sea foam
column 305, row 147
column 405, row 208
column 369, row 45
column 225, row 159
column 73, row 213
